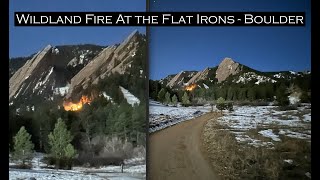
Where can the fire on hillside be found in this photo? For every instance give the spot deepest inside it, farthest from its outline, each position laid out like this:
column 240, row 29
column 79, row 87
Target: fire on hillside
column 191, row 87
column 70, row 106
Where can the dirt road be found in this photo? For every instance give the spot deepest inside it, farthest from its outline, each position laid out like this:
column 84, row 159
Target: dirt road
column 176, row 153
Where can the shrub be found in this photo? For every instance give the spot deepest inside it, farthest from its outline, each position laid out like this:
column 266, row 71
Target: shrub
column 287, row 108
column 222, row 105
column 85, row 159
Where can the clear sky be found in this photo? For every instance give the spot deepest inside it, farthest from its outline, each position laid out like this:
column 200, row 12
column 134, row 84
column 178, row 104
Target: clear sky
column 173, row 49
column 24, row 41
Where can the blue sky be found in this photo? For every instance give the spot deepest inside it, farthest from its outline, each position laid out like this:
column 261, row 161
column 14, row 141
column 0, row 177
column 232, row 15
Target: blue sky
column 173, row 49
column 24, row 41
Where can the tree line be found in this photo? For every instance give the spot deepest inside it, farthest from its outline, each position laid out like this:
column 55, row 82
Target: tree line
column 231, row 92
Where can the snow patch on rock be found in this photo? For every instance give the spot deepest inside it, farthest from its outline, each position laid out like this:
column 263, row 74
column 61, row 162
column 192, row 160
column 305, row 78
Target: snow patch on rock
column 131, row 99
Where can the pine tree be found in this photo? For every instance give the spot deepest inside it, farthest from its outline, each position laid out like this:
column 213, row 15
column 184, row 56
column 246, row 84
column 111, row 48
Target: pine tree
column 60, row 142
column 282, row 96
column 261, row 92
column 304, row 97
column 242, row 94
column 174, row 100
column 23, row 147
column 222, row 92
column 230, row 94
column 161, row 95
column 70, row 152
column 185, row 99
column 167, row 98
column 252, row 94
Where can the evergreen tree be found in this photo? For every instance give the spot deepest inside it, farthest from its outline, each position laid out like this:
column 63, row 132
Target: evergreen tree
column 70, row 152
column 23, row 147
column 304, row 97
column 252, row 94
column 180, row 95
column 230, row 93
column 242, row 94
column 161, row 95
column 185, row 99
column 174, row 100
column 222, row 92
column 261, row 92
column 139, row 118
column 60, row 142
column 269, row 91
column 211, row 94
column 282, row 96
column 167, row 98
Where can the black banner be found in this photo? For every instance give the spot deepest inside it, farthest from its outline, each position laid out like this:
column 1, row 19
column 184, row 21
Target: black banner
column 159, row 18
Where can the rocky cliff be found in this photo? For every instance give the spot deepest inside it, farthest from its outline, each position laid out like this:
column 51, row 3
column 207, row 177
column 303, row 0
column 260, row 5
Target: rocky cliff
column 113, row 59
column 64, row 71
column 226, row 68
column 201, row 75
column 181, row 78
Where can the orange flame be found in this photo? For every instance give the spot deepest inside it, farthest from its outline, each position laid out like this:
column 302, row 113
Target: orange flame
column 70, row 106
column 190, row 87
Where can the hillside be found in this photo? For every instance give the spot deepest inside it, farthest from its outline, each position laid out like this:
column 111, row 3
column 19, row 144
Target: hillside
column 98, row 92
column 234, row 81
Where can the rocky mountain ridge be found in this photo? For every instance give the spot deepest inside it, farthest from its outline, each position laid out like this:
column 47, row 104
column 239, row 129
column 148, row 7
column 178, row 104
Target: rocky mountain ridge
column 56, row 72
column 228, row 71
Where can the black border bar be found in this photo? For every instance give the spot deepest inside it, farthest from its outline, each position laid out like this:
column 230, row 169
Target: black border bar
column 160, row 19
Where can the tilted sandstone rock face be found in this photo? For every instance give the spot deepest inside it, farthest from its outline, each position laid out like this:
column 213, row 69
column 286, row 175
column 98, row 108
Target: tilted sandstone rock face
column 112, row 59
column 226, row 68
column 21, row 79
column 201, row 75
column 181, row 78
column 44, row 75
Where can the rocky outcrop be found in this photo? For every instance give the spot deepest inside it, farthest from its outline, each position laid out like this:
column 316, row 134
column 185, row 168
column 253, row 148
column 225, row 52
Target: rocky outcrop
column 21, row 79
column 226, row 68
column 181, row 78
column 39, row 76
column 110, row 60
column 167, row 79
column 201, row 75
column 64, row 72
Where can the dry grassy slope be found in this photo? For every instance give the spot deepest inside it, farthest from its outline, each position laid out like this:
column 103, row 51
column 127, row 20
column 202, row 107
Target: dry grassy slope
column 233, row 160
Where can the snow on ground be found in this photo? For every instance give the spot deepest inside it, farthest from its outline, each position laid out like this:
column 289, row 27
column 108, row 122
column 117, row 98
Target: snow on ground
column 292, row 72
column 293, row 134
column 131, row 99
column 161, row 116
column 205, row 86
column 289, row 161
column 271, row 123
column 104, row 94
column 131, row 171
column 307, row 117
column 279, row 75
column 61, row 90
column 251, row 76
column 249, row 117
column 293, row 99
column 268, row 133
column 48, row 174
column 243, row 138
